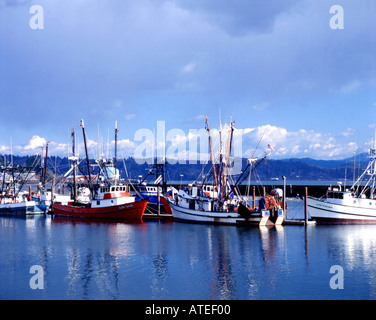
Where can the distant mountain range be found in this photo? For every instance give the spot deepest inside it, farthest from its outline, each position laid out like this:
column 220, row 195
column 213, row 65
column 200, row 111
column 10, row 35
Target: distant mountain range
column 270, row 169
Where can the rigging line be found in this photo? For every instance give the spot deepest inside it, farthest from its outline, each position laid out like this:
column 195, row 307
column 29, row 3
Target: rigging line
column 258, row 144
column 130, row 181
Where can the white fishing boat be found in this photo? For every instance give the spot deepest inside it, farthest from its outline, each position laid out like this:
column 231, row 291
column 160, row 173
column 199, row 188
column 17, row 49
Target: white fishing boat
column 13, row 201
column 219, row 203
column 203, row 209
column 356, row 205
column 20, row 205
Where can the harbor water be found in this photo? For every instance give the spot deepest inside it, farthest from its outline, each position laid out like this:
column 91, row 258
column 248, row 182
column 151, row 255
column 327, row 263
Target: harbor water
column 166, row 260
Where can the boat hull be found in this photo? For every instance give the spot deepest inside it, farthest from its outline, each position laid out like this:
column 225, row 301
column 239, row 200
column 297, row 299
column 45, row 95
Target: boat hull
column 152, row 207
column 227, row 218
column 133, row 211
column 20, row 208
column 334, row 213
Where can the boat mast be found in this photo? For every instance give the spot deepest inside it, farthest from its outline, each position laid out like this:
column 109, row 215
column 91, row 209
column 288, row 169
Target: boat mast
column 45, row 166
column 116, row 132
column 74, row 167
column 221, row 169
column 226, row 163
column 373, row 168
column 371, row 171
column 41, row 166
column 214, row 169
column 87, row 157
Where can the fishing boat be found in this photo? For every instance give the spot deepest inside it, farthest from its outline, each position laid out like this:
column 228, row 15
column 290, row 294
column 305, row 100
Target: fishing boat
column 157, row 192
column 154, row 197
column 13, row 201
column 218, row 203
column 46, row 196
column 356, row 205
column 108, row 200
column 111, row 202
column 20, row 205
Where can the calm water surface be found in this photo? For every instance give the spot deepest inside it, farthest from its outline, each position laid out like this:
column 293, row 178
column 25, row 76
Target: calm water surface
column 85, row 259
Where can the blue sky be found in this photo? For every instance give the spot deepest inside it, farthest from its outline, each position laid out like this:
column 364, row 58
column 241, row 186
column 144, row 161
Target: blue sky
column 285, row 75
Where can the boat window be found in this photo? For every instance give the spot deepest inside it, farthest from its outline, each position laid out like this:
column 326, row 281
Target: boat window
column 335, row 195
column 112, row 188
column 98, row 202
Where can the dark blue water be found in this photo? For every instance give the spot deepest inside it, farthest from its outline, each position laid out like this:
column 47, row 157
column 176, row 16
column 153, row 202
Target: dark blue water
column 171, row 260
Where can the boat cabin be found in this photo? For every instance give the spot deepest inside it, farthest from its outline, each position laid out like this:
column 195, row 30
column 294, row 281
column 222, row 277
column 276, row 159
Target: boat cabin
column 210, row 191
column 334, row 195
column 112, row 192
column 148, row 190
column 111, row 196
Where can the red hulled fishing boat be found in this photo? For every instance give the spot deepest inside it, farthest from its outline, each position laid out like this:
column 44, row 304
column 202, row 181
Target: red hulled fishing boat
column 107, row 203
column 108, row 200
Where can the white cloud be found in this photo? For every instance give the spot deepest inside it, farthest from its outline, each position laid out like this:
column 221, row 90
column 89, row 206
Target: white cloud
column 117, row 103
column 261, row 106
column 125, row 144
column 271, row 134
column 91, row 143
column 35, row 142
column 348, row 132
column 189, row 67
column 130, row 116
column 4, row 149
column 351, row 87
column 301, row 143
column 56, row 147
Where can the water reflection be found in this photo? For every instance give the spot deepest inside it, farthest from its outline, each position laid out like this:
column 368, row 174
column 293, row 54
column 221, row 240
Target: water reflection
column 222, row 284
column 93, row 254
column 88, row 259
column 354, row 248
column 159, row 276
